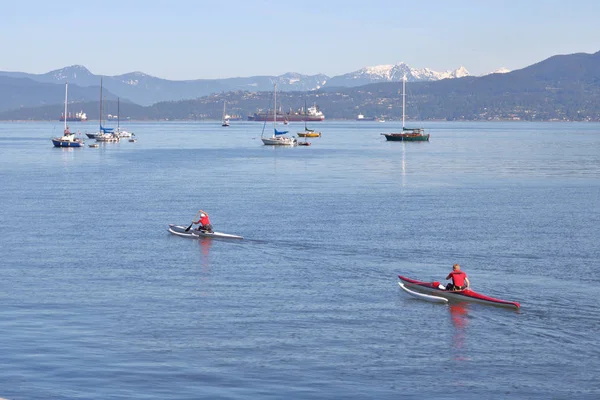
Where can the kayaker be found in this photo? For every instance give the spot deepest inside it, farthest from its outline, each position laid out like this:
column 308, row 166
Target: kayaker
column 204, row 222
column 459, row 279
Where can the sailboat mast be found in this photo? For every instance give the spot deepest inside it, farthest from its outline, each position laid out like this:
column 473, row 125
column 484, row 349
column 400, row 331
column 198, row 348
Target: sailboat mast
column 274, row 105
column 305, row 115
column 66, row 90
column 100, row 104
column 403, row 98
column 118, row 113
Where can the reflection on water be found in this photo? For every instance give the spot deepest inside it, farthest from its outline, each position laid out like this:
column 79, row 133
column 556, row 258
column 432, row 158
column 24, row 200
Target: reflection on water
column 68, row 153
column 205, row 243
column 320, row 319
column 459, row 314
column 403, row 164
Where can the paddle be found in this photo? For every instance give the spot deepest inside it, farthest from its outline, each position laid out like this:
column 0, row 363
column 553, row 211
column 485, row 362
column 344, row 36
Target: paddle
column 190, row 227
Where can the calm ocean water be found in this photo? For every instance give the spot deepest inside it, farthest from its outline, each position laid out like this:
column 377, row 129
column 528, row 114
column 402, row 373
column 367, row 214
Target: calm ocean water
column 98, row 301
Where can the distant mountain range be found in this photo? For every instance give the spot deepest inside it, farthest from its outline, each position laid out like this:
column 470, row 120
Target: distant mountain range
column 562, row 87
column 392, row 73
column 16, row 93
column 145, row 90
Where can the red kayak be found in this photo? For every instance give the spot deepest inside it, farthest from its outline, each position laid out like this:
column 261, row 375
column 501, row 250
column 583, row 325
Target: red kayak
column 435, row 289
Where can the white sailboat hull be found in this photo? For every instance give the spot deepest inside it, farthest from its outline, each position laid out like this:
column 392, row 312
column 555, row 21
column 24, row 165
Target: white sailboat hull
column 279, row 141
column 123, row 133
column 107, row 137
column 276, row 140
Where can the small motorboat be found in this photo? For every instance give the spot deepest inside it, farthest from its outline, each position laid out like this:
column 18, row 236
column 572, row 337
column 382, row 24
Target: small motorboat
column 303, row 143
column 94, row 145
column 436, row 289
column 132, row 140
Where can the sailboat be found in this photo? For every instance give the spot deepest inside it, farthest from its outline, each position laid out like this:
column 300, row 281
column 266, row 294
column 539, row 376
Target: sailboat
column 225, row 116
column 68, row 138
column 407, row 134
column 121, row 132
column 93, row 135
column 104, row 134
column 308, row 132
column 277, row 139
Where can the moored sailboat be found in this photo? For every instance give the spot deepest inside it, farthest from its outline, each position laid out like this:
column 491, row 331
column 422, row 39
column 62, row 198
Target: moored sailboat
column 308, row 132
column 121, row 133
column 104, row 134
column 407, row 134
column 225, row 116
column 68, row 138
column 278, row 138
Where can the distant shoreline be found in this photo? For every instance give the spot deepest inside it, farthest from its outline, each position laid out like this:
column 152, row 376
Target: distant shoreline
column 389, row 121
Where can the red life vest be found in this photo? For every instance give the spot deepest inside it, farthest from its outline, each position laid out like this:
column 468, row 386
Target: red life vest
column 458, row 278
column 204, row 219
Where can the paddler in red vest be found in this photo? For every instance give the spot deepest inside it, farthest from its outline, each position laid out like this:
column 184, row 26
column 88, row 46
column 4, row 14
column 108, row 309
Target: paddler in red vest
column 204, row 222
column 459, row 279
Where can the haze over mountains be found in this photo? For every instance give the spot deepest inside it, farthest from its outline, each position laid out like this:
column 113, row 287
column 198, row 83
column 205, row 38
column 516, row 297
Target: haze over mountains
column 145, row 90
column 562, row 87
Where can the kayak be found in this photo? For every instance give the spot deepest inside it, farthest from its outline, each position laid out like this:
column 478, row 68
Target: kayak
column 435, row 289
column 433, row 299
column 195, row 234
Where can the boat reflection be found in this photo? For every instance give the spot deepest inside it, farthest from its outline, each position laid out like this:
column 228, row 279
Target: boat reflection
column 68, row 149
column 68, row 153
column 403, row 164
column 459, row 314
column 399, row 164
column 205, row 243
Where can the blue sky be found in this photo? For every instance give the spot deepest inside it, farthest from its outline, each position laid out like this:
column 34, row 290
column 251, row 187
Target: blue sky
column 183, row 39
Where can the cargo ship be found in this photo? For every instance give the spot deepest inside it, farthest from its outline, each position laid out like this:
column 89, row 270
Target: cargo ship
column 363, row 118
column 312, row 114
column 74, row 117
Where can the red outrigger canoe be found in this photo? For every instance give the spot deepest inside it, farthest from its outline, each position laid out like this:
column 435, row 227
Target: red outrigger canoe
column 433, row 288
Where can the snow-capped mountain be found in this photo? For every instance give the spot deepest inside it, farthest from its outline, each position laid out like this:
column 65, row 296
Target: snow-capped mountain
column 133, row 78
column 72, row 74
column 501, row 70
column 145, row 89
column 460, row 72
column 296, row 81
column 393, row 73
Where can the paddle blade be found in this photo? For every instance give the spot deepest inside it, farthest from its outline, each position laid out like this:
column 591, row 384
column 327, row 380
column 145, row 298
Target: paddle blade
column 189, row 227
